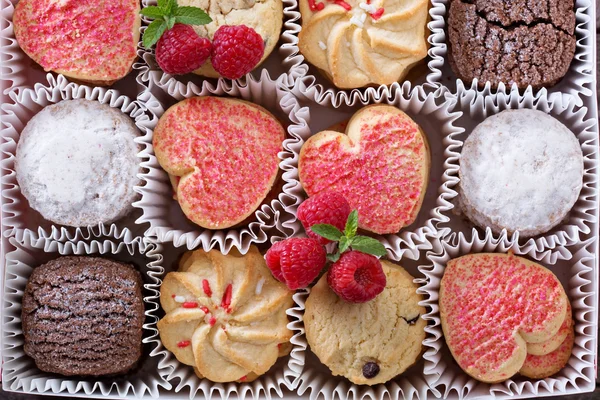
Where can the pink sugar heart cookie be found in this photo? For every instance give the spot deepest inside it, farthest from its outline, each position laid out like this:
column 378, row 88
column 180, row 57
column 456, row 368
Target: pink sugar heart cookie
column 539, row 367
column 493, row 305
column 221, row 155
column 543, row 348
column 95, row 42
column 381, row 165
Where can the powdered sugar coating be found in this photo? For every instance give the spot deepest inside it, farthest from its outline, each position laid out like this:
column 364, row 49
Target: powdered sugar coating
column 76, row 163
column 491, row 305
column 521, row 170
column 92, row 41
column 381, row 166
column 226, row 153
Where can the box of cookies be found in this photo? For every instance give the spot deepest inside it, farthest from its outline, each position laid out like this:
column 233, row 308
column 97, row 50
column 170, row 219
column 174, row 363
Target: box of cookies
column 324, row 199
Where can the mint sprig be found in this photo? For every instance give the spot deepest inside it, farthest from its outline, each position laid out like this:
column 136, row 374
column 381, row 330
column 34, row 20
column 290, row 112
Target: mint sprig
column 348, row 239
column 165, row 15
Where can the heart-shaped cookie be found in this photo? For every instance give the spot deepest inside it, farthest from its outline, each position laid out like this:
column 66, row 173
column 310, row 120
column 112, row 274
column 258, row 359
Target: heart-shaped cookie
column 493, row 305
column 221, row 155
column 94, row 41
column 381, row 166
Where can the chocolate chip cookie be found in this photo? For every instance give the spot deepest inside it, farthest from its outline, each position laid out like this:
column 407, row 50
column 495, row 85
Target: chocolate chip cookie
column 372, row 342
column 512, row 42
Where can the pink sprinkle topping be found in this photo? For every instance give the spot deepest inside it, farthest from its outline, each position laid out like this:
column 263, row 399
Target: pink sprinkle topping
column 377, row 14
column 95, row 39
column 206, row 288
column 190, row 304
column 314, row 6
column 342, row 3
column 279, row 345
column 368, row 1
column 212, row 321
column 381, row 176
column 183, row 343
column 173, row 296
column 205, row 310
column 226, row 302
column 489, row 297
column 243, row 378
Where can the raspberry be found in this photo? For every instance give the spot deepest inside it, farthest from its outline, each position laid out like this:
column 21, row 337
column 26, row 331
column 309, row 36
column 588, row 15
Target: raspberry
column 324, row 208
column 236, row 50
column 356, row 277
column 180, row 50
column 296, row 262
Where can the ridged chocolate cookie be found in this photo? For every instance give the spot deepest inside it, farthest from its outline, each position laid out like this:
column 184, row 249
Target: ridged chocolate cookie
column 522, row 42
column 83, row 316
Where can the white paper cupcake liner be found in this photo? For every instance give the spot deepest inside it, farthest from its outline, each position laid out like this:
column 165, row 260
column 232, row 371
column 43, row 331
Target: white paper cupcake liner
column 26, row 224
column 314, row 86
column 163, row 213
column 19, row 371
column 283, row 65
column 476, row 107
column 579, row 278
column 578, row 81
column 435, row 116
column 272, row 384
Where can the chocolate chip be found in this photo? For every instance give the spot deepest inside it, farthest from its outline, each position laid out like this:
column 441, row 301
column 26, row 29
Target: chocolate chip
column 370, row 370
column 412, row 321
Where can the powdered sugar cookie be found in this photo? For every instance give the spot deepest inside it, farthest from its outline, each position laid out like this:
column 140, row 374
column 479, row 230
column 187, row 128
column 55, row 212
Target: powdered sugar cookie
column 539, row 367
column 222, row 155
column 520, row 170
column 380, row 165
column 77, row 163
column 95, row 42
column 493, row 305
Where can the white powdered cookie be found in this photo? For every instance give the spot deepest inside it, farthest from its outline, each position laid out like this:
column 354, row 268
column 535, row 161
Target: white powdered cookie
column 520, row 170
column 77, row 163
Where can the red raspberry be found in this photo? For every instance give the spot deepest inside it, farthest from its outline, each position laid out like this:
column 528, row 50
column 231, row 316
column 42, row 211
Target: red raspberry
column 324, row 208
column 297, row 261
column 357, row 277
column 180, row 50
column 236, row 50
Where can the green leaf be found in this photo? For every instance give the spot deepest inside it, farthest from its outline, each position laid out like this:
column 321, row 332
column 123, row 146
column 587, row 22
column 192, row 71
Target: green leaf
column 192, row 16
column 170, row 22
column 351, row 224
column 368, row 245
column 169, row 6
column 333, row 257
column 344, row 244
column 327, row 231
column 153, row 32
column 152, row 12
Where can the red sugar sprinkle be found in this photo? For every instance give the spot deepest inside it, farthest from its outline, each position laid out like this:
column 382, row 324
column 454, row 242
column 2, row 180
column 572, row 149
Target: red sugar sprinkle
column 212, row 321
column 243, row 378
column 226, row 302
column 206, row 287
column 183, row 343
column 314, row 6
column 342, row 3
column 279, row 345
column 377, row 14
column 190, row 304
column 205, row 310
column 173, row 296
column 368, row 1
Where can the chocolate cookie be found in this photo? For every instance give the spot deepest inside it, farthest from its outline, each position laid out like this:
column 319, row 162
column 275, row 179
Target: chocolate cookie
column 511, row 42
column 83, row 316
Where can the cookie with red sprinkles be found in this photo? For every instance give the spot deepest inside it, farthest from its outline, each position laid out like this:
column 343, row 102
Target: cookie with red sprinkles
column 222, row 155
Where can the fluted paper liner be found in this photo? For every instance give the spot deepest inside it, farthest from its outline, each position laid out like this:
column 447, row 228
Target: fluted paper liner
column 579, row 278
column 577, row 82
column 20, row 220
column 163, row 213
column 475, row 108
column 268, row 386
column 434, row 115
column 19, row 371
column 283, row 65
column 314, row 86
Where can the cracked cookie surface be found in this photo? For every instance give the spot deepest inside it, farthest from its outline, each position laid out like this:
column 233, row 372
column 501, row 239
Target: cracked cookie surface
column 372, row 342
column 518, row 42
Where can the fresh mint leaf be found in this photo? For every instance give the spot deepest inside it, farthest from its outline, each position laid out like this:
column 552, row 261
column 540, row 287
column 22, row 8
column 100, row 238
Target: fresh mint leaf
column 152, row 12
column 191, row 16
column 170, row 22
column 368, row 245
column 344, row 244
column 153, row 32
column 333, row 257
column 169, row 6
column 351, row 225
column 329, row 232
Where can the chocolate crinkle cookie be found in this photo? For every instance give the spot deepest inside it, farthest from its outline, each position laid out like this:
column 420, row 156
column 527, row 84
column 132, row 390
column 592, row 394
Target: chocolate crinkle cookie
column 83, row 316
column 521, row 41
